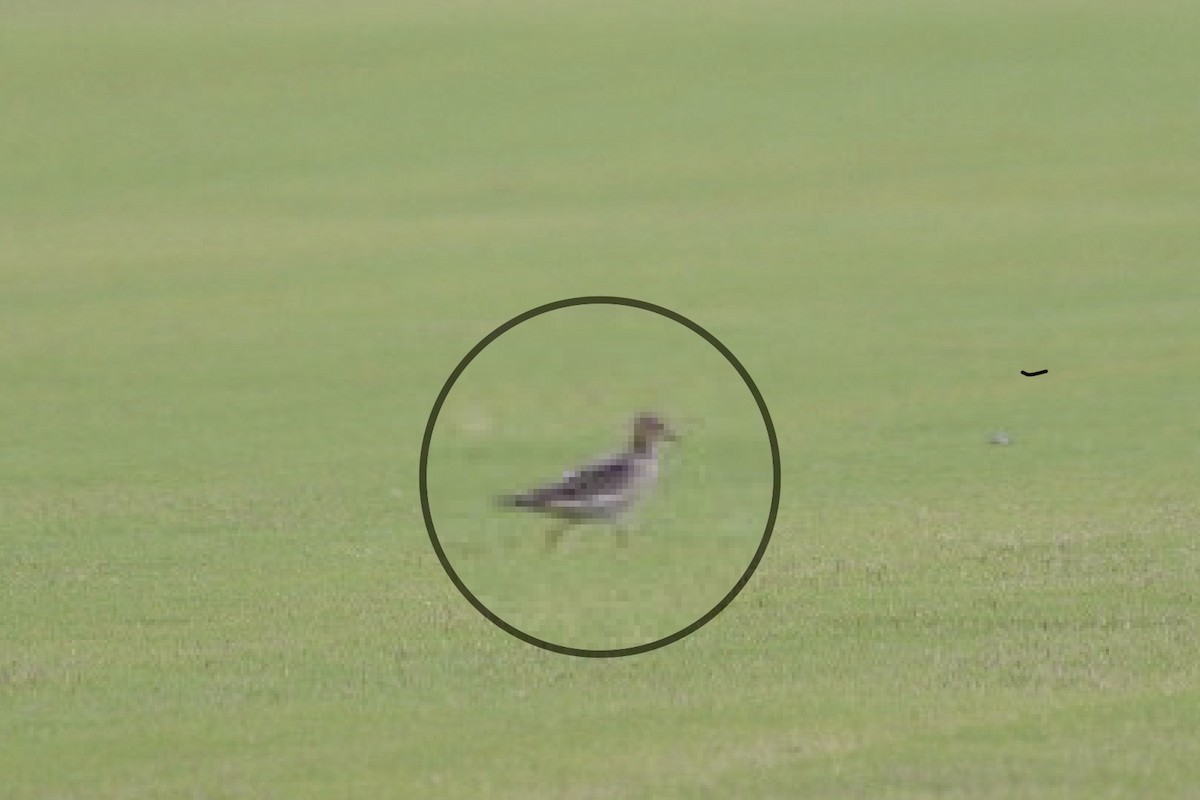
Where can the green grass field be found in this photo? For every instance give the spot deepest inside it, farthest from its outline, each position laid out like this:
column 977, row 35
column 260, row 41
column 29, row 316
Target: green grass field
column 242, row 246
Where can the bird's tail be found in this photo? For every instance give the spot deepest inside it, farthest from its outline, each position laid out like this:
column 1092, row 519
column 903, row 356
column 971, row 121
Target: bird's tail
column 519, row 501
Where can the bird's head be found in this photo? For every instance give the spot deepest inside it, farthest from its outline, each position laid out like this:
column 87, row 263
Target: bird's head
column 649, row 428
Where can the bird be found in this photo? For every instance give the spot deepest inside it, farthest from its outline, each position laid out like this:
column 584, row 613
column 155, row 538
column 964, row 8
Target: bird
column 603, row 490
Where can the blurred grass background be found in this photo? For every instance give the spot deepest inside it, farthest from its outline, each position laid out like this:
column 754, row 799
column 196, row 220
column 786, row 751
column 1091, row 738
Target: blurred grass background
column 242, row 246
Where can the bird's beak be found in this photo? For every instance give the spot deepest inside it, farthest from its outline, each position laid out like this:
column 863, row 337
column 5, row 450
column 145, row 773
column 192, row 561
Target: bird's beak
column 670, row 435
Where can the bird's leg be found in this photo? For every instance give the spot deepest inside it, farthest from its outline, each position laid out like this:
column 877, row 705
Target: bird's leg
column 622, row 533
column 555, row 534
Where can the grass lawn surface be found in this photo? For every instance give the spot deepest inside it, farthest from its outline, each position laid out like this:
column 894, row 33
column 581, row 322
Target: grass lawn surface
column 242, row 246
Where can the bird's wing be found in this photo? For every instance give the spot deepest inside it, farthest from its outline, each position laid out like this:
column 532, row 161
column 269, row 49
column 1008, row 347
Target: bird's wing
column 603, row 483
column 604, row 477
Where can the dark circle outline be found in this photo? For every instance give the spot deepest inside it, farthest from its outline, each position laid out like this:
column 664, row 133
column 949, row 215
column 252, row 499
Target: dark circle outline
column 622, row 651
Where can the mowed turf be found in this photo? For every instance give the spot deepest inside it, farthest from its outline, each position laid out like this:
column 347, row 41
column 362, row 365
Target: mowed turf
column 241, row 249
